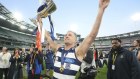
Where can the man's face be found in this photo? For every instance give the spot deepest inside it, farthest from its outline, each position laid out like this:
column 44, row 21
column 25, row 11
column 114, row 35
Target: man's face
column 135, row 43
column 70, row 38
column 4, row 49
column 115, row 44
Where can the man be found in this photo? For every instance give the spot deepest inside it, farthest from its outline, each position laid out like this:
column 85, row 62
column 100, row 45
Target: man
column 136, row 49
column 49, row 59
column 23, row 53
column 69, row 57
column 96, row 58
column 23, row 56
column 105, row 58
column 122, row 64
column 34, row 64
column 88, row 67
column 4, row 62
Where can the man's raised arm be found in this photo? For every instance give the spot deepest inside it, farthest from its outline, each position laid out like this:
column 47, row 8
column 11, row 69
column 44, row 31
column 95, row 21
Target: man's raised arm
column 84, row 46
column 53, row 45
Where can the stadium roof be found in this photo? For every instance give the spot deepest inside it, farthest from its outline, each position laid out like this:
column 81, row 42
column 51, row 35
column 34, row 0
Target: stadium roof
column 6, row 15
column 130, row 34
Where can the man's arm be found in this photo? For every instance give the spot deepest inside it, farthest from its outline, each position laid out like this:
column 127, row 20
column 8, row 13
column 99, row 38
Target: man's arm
column 82, row 49
column 53, row 45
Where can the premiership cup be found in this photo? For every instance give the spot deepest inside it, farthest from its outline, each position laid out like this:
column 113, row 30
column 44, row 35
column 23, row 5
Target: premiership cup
column 47, row 8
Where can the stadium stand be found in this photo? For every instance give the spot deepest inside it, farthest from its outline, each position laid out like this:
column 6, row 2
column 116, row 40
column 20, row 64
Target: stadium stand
column 13, row 39
column 11, row 35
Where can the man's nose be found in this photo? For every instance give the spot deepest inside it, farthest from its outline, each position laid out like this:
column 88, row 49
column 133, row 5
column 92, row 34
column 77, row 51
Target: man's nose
column 66, row 36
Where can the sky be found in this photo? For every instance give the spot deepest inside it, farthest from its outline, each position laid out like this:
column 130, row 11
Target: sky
column 80, row 15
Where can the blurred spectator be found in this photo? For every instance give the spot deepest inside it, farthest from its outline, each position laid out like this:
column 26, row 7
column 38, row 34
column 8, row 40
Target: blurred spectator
column 122, row 64
column 23, row 55
column 15, row 71
column 136, row 49
column 4, row 63
column 96, row 56
column 34, row 64
column 88, row 67
column 49, row 59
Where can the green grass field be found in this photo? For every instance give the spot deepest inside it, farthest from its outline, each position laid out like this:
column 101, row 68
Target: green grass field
column 100, row 75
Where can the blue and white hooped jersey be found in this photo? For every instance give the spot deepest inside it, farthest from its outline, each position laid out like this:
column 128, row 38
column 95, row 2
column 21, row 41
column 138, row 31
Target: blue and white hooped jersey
column 71, row 65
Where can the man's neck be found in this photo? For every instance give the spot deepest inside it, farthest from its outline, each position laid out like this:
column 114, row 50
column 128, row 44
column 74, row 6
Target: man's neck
column 68, row 46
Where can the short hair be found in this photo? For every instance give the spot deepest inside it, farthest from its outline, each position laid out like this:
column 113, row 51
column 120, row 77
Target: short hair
column 116, row 39
column 5, row 48
column 74, row 34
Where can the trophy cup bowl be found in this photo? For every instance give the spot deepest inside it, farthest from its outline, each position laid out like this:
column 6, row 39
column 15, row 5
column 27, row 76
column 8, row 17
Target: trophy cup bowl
column 47, row 8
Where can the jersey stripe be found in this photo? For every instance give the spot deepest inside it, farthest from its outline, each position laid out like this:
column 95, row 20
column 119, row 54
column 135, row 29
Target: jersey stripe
column 71, row 65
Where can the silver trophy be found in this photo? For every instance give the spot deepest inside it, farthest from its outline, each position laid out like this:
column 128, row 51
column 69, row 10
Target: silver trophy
column 46, row 8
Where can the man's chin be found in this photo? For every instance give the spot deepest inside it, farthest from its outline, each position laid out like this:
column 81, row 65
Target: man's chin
column 66, row 42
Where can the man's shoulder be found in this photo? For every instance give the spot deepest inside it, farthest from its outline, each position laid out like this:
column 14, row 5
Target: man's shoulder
column 9, row 54
column 127, row 51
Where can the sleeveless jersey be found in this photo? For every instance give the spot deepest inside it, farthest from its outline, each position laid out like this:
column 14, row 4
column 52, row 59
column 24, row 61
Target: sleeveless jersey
column 71, row 64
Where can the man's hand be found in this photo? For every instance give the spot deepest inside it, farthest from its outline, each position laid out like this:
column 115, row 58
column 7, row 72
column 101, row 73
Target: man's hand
column 34, row 21
column 103, row 4
column 39, row 19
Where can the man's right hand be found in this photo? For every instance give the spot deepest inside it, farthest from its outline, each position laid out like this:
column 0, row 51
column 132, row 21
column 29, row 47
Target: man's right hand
column 103, row 4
